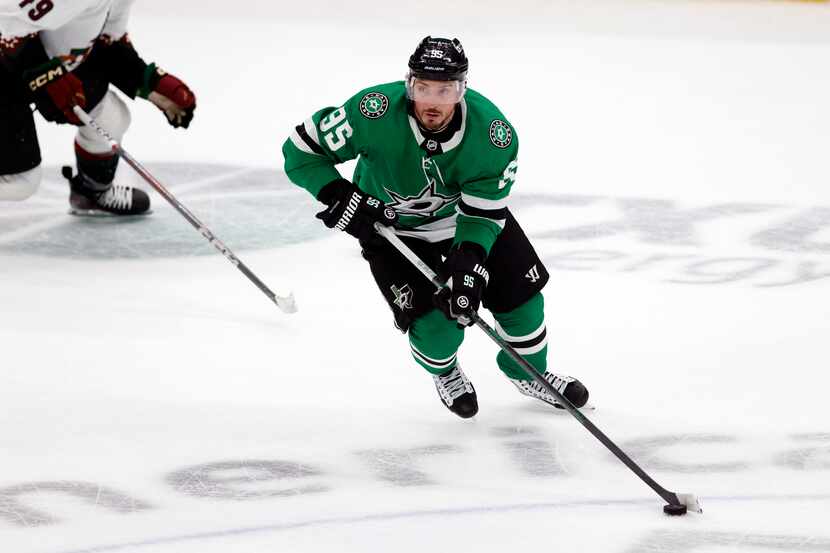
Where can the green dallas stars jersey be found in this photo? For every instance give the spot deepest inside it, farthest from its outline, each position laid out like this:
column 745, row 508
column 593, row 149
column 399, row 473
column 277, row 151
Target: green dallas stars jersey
column 459, row 191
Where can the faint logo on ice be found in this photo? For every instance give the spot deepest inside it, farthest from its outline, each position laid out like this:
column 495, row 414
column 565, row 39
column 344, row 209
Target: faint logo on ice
column 277, row 485
column 764, row 245
column 248, row 208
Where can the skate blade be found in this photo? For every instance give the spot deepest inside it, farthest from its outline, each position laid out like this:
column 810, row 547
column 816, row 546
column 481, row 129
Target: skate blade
column 99, row 214
column 586, row 407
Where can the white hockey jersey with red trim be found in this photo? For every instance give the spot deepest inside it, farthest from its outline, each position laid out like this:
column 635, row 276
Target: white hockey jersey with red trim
column 67, row 28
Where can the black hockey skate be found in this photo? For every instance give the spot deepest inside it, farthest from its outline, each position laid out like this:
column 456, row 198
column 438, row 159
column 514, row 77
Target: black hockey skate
column 573, row 390
column 457, row 392
column 87, row 197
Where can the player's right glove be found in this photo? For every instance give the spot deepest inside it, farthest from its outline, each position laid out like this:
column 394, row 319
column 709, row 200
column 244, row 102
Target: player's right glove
column 466, row 279
column 352, row 210
column 55, row 91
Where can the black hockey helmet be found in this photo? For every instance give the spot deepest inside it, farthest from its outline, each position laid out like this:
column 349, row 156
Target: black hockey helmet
column 439, row 59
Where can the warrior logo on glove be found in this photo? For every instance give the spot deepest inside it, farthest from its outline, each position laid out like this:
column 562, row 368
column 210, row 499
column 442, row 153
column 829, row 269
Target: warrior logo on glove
column 352, row 210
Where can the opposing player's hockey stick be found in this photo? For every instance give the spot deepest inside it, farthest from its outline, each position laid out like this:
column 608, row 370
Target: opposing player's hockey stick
column 677, row 503
column 286, row 304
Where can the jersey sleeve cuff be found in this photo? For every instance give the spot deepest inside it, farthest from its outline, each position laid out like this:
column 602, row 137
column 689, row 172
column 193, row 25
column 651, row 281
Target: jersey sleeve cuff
column 478, row 232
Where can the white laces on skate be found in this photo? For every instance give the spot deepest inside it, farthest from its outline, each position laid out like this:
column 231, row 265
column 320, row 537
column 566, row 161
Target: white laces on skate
column 117, row 197
column 533, row 389
column 452, row 385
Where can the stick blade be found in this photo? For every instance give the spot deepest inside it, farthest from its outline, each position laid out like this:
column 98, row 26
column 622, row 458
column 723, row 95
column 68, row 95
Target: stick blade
column 287, row 304
column 690, row 501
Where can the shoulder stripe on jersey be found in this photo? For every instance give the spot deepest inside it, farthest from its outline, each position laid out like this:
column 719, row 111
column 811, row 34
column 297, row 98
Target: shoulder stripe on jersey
column 299, row 143
column 483, row 203
column 311, row 129
column 307, row 140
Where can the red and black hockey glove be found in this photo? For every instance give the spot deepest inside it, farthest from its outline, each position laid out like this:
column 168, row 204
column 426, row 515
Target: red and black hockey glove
column 352, row 210
column 170, row 95
column 466, row 279
column 55, row 91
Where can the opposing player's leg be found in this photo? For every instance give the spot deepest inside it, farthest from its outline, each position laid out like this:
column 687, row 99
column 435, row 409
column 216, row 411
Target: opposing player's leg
column 20, row 172
column 434, row 340
column 92, row 189
column 19, row 186
column 514, row 296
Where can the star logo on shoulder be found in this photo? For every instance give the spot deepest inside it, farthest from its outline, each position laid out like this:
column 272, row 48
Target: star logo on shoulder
column 373, row 105
column 500, row 134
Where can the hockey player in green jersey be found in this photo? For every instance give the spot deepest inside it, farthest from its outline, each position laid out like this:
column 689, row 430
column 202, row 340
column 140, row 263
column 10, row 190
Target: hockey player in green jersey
column 436, row 161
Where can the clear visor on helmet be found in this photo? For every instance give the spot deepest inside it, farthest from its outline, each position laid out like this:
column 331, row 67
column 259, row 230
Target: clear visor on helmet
column 419, row 89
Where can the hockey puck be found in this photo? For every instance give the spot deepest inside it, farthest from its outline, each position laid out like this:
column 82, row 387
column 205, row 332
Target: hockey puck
column 674, row 510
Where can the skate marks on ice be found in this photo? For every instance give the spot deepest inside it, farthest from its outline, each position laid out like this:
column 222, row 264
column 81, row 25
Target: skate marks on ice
column 295, row 490
column 248, row 208
column 15, row 511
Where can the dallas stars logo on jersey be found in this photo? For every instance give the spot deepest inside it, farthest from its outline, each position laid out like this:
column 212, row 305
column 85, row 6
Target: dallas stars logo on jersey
column 465, row 198
column 373, row 105
column 403, row 296
column 428, row 201
column 500, row 134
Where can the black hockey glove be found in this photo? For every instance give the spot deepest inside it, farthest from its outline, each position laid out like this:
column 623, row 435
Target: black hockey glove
column 466, row 278
column 352, row 210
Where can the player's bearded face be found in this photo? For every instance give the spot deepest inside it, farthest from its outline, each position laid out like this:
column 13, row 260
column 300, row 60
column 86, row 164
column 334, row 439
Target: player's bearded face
column 434, row 101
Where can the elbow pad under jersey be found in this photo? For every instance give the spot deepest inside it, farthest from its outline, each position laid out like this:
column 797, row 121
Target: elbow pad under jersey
column 119, row 62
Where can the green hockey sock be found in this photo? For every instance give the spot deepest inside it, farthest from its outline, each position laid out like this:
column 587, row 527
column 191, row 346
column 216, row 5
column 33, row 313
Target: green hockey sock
column 434, row 340
column 524, row 329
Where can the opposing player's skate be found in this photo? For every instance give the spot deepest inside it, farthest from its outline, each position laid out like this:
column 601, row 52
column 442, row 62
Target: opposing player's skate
column 457, row 392
column 573, row 390
column 87, row 197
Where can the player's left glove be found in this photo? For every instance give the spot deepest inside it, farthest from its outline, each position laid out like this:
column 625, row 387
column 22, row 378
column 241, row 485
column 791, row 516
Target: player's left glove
column 466, row 279
column 170, row 95
column 352, row 210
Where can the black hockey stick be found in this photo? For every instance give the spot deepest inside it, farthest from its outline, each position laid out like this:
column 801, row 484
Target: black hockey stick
column 677, row 503
column 286, row 304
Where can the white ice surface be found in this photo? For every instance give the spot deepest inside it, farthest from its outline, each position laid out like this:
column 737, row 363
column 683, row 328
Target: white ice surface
column 673, row 176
